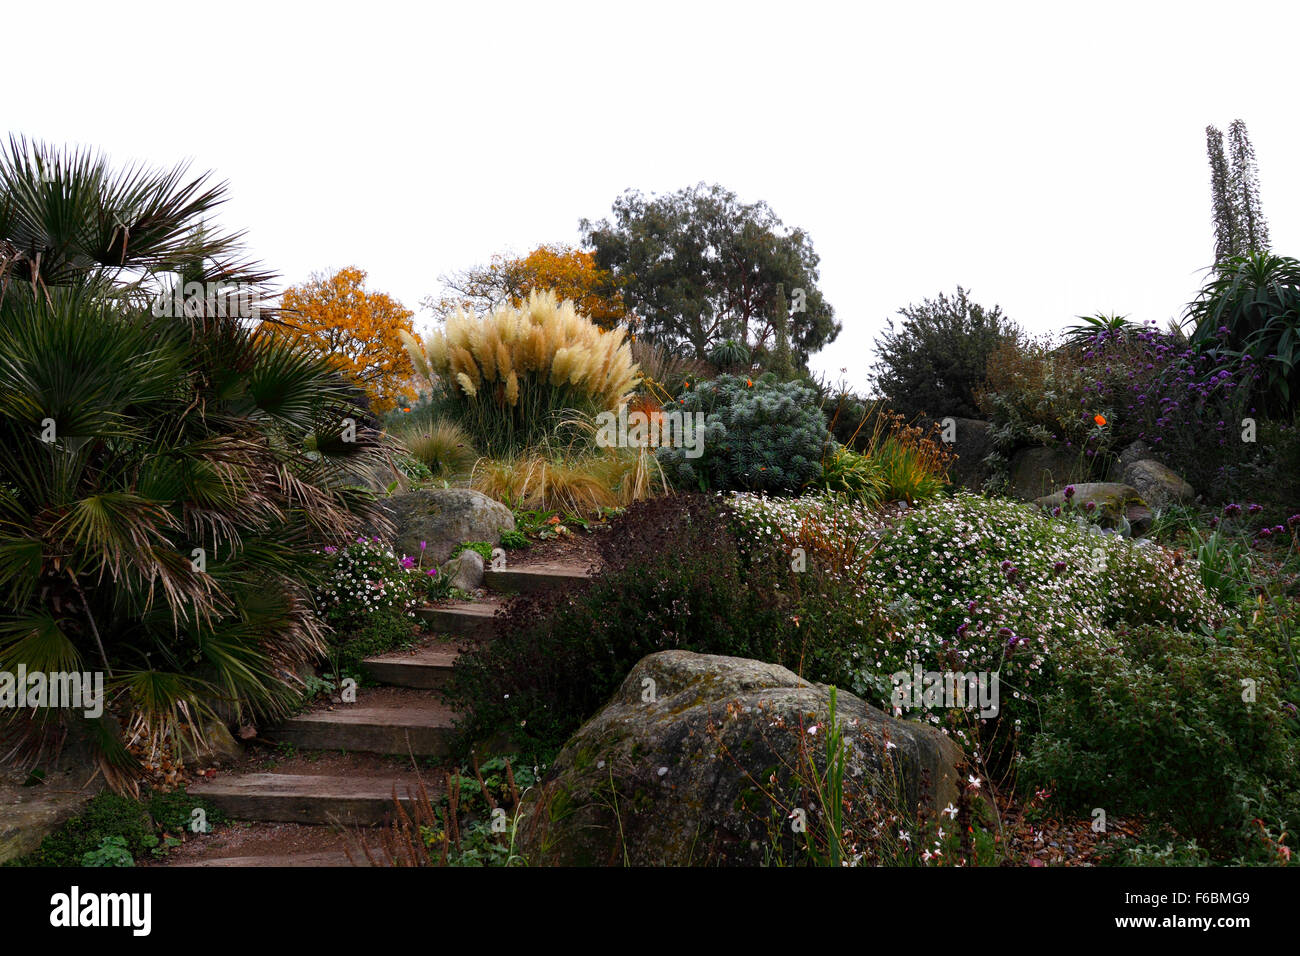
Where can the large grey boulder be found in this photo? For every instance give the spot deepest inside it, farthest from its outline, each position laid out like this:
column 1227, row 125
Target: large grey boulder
column 443, row 518
column 1114, row 504
column 465, row 570
column 679, row 767
column 1159, row 486
column 218, row 748
column 1036, row 471
column 1132, row 452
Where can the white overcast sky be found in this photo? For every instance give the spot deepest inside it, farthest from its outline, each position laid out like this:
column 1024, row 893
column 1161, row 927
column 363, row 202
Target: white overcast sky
column 1048, row 157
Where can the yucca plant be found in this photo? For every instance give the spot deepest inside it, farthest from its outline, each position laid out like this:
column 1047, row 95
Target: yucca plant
column 730, row 356
column 1252, row 308
column 166, row 482
column 1091, row 325
column 509, row 375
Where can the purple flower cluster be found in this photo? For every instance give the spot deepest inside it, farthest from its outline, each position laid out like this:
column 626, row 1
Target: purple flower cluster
column 1182, row 402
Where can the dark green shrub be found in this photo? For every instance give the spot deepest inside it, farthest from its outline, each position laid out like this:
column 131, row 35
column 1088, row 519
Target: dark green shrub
column 1157, row 726
column 107, row 815
column 759, row 436
column 934, row 362
column 1271, row 474
column 174, row 811
column 671, row 578
column 383, row 631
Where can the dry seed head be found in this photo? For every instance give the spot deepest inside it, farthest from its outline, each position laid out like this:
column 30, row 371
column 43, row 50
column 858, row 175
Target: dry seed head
column 560, row 365
column 462, row 363
column 505, row 367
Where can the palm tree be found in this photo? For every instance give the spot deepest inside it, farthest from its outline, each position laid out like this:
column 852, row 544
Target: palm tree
column 167, row 483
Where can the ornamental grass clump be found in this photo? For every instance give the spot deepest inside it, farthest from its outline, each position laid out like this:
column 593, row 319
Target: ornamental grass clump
column 443, row 447
column 571, row 472
column 912, row 465
column 507, row 375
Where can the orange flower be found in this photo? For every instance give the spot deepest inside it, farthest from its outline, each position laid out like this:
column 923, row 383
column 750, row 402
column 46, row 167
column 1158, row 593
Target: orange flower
column 1099, row 419
column 553, row 519
column 686, row 384
column 749, row 382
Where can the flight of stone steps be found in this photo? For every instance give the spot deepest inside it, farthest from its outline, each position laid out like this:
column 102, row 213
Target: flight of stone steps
column 403, row 717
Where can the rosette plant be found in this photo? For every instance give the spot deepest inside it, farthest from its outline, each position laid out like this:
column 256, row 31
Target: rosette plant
column 1251, row 307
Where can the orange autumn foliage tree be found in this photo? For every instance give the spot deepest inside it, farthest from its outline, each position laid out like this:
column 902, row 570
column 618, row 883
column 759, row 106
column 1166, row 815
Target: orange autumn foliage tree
column 357, row 330
column 570, row 273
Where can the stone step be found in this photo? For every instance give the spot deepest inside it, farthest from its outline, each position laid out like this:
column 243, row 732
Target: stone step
column 471, row 619
column 298, row 798
column 534, row 578
column 427, row 668
column 383, row 721
column 337, row 858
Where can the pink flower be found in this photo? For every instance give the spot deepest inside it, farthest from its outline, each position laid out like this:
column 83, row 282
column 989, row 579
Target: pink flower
column 408, row 562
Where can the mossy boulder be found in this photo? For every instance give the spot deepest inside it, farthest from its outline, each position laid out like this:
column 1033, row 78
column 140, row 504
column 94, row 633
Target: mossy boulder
column 1159, row 486
column 443, row 518
column 28, row 814
column 1033, row 471
column 694, row 759
column 1115, row 504
column 465, row 571
column 217, row 748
